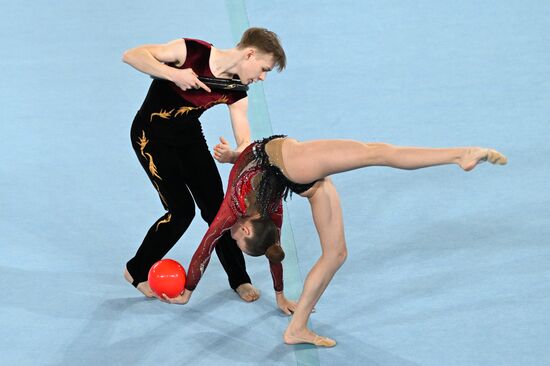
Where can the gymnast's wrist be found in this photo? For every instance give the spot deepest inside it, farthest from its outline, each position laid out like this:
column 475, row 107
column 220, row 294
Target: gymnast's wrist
column 234, row 156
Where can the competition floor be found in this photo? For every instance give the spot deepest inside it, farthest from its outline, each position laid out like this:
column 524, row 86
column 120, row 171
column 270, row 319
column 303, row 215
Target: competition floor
column 444, row 268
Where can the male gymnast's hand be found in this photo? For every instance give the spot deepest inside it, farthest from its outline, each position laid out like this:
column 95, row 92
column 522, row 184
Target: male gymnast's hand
column 180, row 299
column 224, row 153
column 187, row 79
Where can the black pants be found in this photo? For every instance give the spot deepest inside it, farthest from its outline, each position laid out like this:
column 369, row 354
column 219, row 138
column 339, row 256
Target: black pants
column 182, row 173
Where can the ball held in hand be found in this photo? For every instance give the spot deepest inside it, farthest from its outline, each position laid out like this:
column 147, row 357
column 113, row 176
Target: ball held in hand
column 167, row 276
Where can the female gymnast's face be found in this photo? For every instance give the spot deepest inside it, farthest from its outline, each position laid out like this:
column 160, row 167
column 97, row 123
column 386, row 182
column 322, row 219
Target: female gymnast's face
column 240, row 231
column 255, row 66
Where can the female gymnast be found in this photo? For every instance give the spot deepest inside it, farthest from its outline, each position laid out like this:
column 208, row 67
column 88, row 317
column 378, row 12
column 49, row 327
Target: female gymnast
column 267, row 170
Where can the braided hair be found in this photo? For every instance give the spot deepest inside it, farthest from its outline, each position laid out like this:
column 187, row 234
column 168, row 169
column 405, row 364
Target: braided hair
column 273, row 184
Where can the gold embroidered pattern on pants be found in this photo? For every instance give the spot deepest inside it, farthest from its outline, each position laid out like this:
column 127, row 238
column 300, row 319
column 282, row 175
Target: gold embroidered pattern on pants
column 160, row 195
column 164, row 221
column 162, row 114
column 142, row 142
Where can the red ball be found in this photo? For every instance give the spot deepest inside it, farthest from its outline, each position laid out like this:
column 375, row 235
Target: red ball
column 167, row 276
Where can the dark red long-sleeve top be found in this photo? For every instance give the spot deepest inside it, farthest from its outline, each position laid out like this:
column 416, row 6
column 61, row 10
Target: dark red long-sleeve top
column 233, row 207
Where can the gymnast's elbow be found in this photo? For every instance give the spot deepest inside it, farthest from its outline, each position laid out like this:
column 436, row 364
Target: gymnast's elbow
column 131, row 55
column 127, row 56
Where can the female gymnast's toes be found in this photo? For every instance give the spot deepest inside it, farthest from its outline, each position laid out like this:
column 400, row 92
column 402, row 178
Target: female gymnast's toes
column 308, row 337
column 494, row 157
column 475, row 155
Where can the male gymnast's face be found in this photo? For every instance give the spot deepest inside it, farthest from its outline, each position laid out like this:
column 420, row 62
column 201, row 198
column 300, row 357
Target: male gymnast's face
column 255, row 66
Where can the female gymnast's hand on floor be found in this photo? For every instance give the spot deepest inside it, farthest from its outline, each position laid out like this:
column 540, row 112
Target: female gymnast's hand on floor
column 223, row 152
column 180, row 300
column 286, row 306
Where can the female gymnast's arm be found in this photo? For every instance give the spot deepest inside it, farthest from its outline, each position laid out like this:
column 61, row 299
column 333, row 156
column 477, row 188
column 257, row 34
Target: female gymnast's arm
column 286, row 306
column 223, row 221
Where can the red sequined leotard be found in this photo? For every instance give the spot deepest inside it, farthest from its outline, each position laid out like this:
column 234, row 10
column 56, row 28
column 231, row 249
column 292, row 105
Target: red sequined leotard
column 233, row 207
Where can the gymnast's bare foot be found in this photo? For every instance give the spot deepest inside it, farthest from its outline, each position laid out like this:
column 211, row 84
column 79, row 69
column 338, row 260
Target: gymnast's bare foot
column 475, row 155
column 247, row 292
column 142, row 286
column 307, row 336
